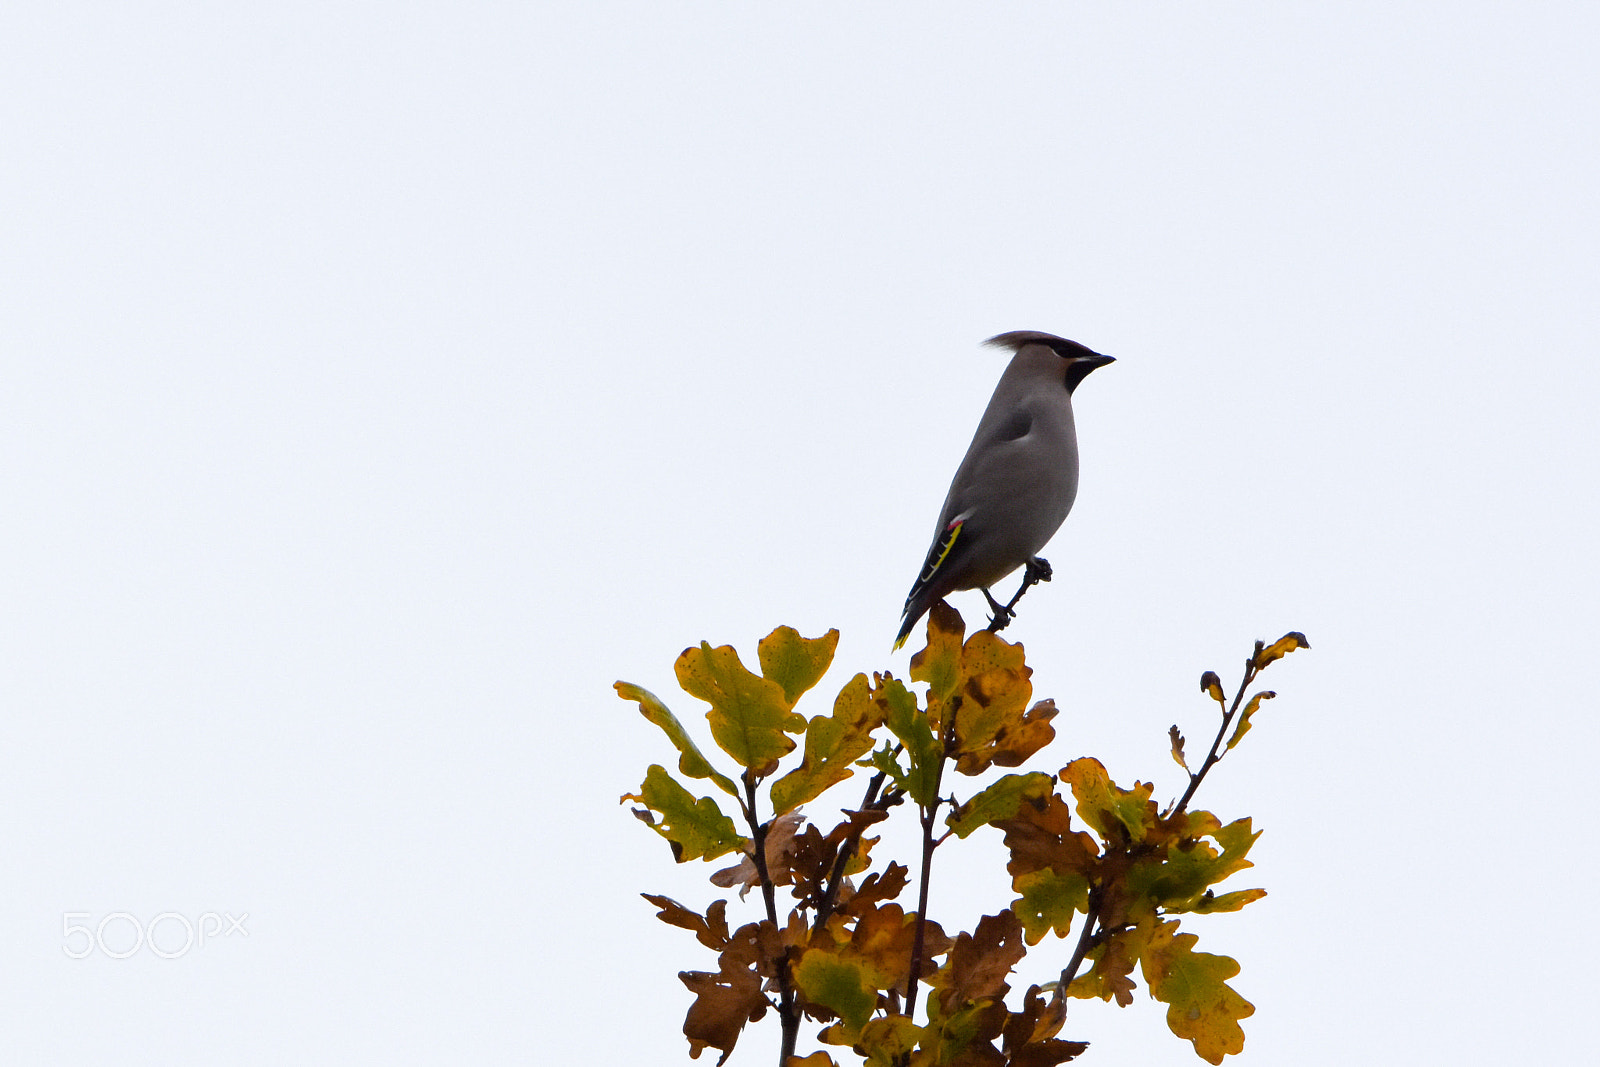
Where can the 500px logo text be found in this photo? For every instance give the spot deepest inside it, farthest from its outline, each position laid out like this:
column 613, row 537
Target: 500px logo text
column 169, row 935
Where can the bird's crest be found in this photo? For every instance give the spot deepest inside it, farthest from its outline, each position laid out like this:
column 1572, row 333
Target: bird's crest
column 1016, row 339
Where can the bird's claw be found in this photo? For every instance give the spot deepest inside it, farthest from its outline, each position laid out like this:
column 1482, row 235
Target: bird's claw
column 1036, row 570
column 1002, row 613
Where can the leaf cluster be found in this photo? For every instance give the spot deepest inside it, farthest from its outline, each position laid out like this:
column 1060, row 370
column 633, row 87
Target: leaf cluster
column 848, row 951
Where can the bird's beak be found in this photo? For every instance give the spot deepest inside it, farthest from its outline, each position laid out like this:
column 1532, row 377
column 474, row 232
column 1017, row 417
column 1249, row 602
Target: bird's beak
column 1097, row 360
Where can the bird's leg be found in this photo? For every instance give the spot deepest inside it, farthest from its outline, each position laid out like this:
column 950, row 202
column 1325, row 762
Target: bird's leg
column 1037, row 570
column 1002, row 613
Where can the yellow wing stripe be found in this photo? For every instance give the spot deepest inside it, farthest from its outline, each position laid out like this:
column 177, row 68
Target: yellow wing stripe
column 936, row 559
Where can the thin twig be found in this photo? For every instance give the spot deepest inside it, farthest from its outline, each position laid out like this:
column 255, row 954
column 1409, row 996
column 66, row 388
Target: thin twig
column 928, row 845
column 788, row 1018
column 830, row 891
column 1195, row 777
column 1085, row 938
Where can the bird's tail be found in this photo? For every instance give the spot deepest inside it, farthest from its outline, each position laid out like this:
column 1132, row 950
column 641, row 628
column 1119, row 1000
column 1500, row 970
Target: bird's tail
column 917, row 605
column 906, row 623
column 922, row 593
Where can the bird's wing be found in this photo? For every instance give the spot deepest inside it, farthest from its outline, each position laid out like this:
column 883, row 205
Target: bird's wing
column 949, row 547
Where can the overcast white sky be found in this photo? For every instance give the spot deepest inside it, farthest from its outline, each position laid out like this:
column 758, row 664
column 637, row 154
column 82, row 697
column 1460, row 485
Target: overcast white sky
column 382, row 381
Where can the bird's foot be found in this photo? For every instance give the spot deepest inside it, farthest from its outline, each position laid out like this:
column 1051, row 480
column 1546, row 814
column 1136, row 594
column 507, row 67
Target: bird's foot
column 1002, row 613
column 1036, row 570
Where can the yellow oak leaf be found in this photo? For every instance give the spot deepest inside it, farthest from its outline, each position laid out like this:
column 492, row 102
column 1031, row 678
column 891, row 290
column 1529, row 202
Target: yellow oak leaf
column 1201, row 1006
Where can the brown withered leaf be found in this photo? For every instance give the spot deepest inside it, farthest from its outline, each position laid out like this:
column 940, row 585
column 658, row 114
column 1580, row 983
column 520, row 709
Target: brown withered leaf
column 711, row 929
column 811, row 858
column 854, row 823
column 756, row 944
column 1030, row 1034
column 873, row 889
column 1047, row 1053
column 980, row 961
column 723, row 1003
column 780, row 844
column 1177, row 747
column 809, row 862
column 1041, row 836
column 1037, row 1020
column 935, row 943
column 1114, row 961
column 1211, row 686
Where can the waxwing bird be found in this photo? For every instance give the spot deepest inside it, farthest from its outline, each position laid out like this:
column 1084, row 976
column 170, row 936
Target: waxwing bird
column 1017, row 481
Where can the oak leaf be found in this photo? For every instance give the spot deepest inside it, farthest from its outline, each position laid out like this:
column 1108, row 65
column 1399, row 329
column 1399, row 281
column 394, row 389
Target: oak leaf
column 1105, row 806
column 1201, row 1006
column 874, row 888
column 1244, row 717
column 999, row 801
column 1281, row 648
column 890, row 1040
column 796, row 663
column 939, row 662
column 1114, row 961
column 723, row 1003
column 1175, row 879
column 780, row 843
column 914, row 731
column 842, row 986
column 691, row 760
column 980, row 961
column 833, row 744
column 1210, row 903
column 882, row 941
column 696, row 829
column 1030, row 1034
column 1047, row 902
column 750, row 716
column 711, row 929
column 1041, row 836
